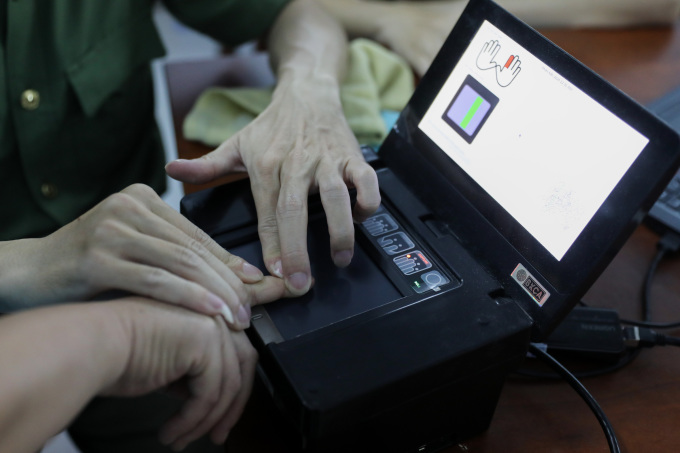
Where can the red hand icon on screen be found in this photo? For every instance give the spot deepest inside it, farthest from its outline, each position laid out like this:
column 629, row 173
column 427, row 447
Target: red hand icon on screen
column 506, row 74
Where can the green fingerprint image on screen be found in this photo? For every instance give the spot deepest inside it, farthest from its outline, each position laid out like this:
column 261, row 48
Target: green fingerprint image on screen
column 470, row 108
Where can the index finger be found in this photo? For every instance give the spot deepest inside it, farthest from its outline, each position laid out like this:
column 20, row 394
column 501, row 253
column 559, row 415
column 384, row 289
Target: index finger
column 269, row 289
column 291, row 217
column 364, row 179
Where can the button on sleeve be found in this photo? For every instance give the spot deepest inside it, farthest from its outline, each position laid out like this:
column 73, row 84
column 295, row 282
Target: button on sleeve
column 30, row 100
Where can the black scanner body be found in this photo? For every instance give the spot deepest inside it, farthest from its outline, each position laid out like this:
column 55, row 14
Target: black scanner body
column 361, row 369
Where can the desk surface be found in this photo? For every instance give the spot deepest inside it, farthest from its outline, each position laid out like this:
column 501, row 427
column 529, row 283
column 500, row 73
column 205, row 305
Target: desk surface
column 642, row 400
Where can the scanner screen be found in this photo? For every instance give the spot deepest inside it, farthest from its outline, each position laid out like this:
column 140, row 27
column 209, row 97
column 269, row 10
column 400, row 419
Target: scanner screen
column 544, row 150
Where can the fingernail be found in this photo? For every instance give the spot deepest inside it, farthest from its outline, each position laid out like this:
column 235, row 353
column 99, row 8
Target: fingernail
column 215, row 303
column 244, row 314
column 277, row 269
column 298, row 281
column 227, row 314
column 176, row 160
column 342, row 258
column 252, row 272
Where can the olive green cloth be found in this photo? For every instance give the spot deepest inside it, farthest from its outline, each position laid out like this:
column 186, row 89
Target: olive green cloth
column 377, row 79
column 87, row 128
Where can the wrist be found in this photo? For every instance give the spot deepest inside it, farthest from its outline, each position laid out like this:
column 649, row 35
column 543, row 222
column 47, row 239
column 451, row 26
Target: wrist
column 20, row 275
column 306, row 73
column 312, row 89
column 114, row 338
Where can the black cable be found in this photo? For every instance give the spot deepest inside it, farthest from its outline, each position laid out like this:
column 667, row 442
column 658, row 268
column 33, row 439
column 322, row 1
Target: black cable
column 669, row 243
column 651, row 324
column 644, row 337
column 625, row 360
column 672, row 341
column 583, row 392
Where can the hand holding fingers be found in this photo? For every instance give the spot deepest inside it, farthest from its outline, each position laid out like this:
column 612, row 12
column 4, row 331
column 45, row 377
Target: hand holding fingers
column 206, row 395
column 133, row 242
column 216, row 408
column 242, row 269
column 248, row 363
column 167, row 345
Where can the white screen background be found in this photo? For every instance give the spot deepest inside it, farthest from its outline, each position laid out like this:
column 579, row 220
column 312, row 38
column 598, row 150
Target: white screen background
column 548, row 154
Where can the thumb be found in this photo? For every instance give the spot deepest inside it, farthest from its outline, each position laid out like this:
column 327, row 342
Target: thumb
column 222, row 161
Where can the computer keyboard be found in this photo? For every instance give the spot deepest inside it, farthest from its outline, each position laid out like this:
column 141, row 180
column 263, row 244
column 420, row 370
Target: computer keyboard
column 671, row 195
column 666, row 211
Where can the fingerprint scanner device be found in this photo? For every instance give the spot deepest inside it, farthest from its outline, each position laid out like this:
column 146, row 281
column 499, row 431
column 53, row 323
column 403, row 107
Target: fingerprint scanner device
column 508, row 183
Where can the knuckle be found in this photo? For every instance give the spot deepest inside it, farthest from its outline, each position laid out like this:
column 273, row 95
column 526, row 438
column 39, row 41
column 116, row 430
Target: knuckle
column 106, row 230
column 299, row 154
column 139, row 191
column 232, row 261
column 154, row 280
column 267, row 226
column 288, row 206
column 118, row 203
column 366, row 175
column 202, row 244
column 267, row 164
column 196, row 234
column 187, row 258
column 334, row 191
column 294, row 255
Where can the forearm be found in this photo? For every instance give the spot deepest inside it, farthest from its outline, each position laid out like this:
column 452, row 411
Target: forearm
column 307, row 42
column 52, row 362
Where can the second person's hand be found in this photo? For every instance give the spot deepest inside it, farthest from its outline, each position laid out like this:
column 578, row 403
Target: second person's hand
column 134, row 242
column 300, row 144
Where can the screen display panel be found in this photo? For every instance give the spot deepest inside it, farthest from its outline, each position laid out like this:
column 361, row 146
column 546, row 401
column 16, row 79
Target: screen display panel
column 544, row 150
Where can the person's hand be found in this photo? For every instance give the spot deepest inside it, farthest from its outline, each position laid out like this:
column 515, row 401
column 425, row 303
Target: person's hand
column 417, row 30
column 300, row 143
column 205, row 362
column 121, row 348
column 132, row 241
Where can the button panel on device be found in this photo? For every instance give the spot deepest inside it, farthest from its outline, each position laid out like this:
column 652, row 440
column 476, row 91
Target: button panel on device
column 395, row 243
column 429, row 280
column 414, row 265
column 380, row 224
